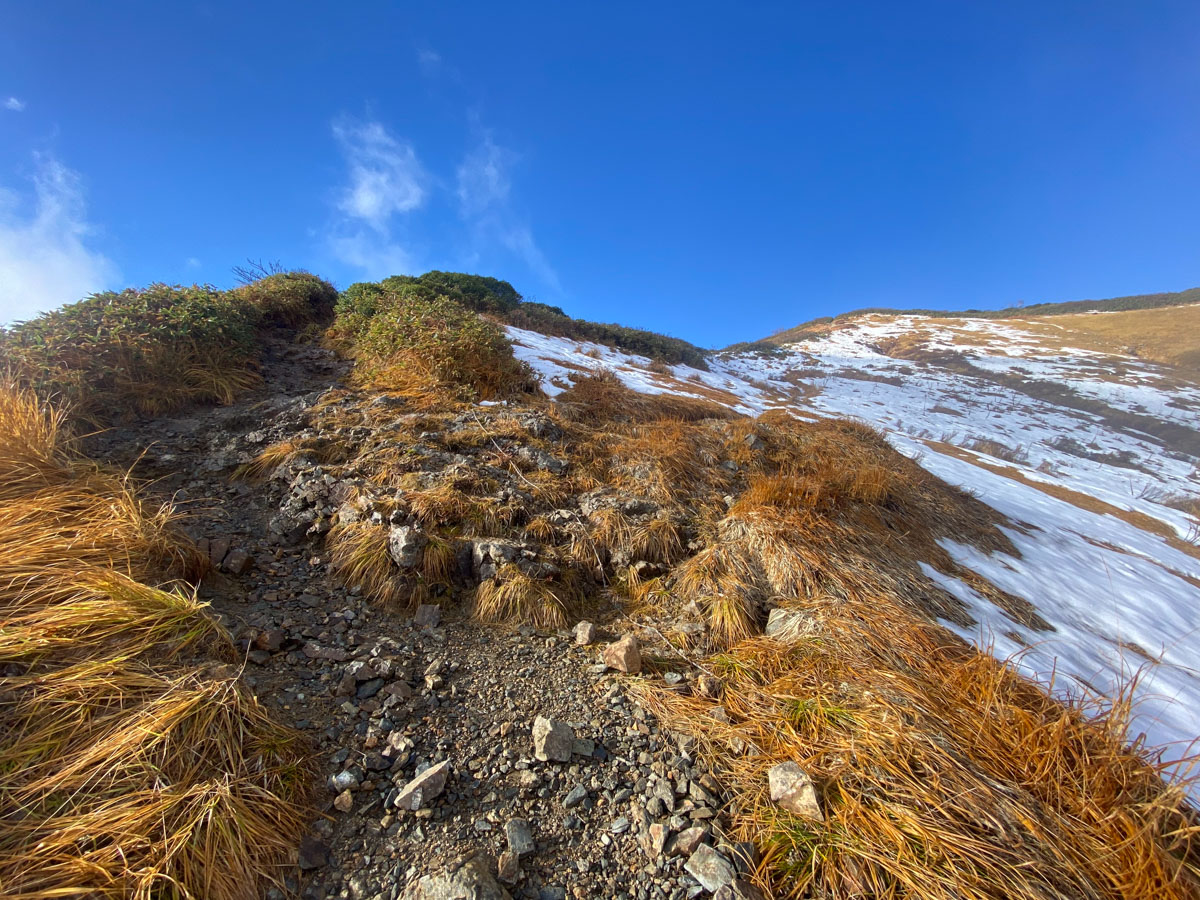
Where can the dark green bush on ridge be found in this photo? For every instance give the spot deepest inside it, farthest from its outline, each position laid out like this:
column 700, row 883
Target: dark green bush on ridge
column 154, row 349
column 422, row 342
column 493, row 297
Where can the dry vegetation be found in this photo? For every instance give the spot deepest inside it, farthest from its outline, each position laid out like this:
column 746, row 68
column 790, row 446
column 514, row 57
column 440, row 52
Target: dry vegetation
column 132, row 761
column 133, row 764
column 942, row 773
column 1168, row 335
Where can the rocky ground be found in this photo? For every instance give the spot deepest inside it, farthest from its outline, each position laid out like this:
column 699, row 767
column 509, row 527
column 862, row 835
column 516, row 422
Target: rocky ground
column 456, row 759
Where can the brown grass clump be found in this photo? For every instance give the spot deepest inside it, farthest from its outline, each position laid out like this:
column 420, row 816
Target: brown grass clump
column 829, row 510
column 127, row 769
column 941, row 773
column 360, row 556
column 515, row 597
column 601, row 396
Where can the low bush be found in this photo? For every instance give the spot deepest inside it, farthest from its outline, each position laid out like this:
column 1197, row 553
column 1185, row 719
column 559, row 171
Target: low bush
column 152, row 350
column 146, row 350
column 417, row 340
column 499, row 300
column 290, row 299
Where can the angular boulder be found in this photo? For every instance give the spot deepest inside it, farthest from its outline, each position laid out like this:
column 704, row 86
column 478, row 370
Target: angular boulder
column 406, row 545
column 624, row 655
column 793, row 790
column 425, row 787
column 552, row 740
column 468, row 879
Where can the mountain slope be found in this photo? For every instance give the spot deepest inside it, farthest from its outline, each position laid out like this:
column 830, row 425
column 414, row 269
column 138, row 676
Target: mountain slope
column 1090, row 451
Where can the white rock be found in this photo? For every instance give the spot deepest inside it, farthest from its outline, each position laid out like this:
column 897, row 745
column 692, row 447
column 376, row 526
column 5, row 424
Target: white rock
column 710, row 868
column 552, row 740
column 424, row 788
column 793, row 790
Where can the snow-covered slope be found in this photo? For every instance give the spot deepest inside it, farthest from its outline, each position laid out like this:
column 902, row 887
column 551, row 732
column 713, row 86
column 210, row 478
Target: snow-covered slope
column 1092, row 455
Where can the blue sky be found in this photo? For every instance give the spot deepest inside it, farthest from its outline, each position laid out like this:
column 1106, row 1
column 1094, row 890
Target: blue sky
column 714, row 171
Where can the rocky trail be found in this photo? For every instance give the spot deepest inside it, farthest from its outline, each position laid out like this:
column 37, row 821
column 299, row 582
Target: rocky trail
column 453, row 759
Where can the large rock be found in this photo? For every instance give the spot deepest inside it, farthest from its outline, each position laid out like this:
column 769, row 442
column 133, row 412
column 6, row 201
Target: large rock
column 519, row 836
column 790, row 625
column 406, row 545
column 429, row 615
column 424, row 788
column 710, row 868
column 793, row 790
column 469, row 879
column 624, row 655
column 490, row 555
column 552, row 740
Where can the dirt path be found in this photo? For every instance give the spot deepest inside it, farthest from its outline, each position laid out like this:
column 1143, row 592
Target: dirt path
column 383, row 698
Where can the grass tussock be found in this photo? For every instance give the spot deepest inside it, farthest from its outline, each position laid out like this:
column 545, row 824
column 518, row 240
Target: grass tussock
column 940, row 773
column 360, row 555
column 514, row 596
column 129, row 767
column 601, row 396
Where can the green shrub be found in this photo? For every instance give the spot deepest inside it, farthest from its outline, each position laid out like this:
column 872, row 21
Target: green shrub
column 477, row 292
column 419, row 339
column 290, row 298
column 146, row 350
column 498, row 299
column 553, row 321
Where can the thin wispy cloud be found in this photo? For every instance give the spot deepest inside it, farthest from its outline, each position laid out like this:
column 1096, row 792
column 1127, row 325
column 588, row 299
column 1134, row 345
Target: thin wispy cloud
column 14, row 105
column 484, row 185
column 429, row 60
column 385, row 175
column 376, row 257
column 483, row 179
column 45, row 260
column 384, row 180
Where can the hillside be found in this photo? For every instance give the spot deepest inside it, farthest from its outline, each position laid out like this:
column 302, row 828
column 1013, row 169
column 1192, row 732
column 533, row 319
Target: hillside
column 494, row 602
column 1036, row 310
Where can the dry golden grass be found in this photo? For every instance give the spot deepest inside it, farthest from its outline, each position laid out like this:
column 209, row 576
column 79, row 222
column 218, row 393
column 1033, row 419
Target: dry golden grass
column 1167, row 335
column 126, row 770
column 601, row 396
column 941, row 773
column 270, row 459
column 513, row 596
column 360, row 556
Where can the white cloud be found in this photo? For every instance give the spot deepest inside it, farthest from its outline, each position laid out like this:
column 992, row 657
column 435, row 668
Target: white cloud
column 484, row 185
column 44, row 259
column 14, row 104
column 429, row 60
column 385, row 180
column 483, row 181
column 192, row 262
column 376, row 257
column 384, row 173
column 519, row 239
